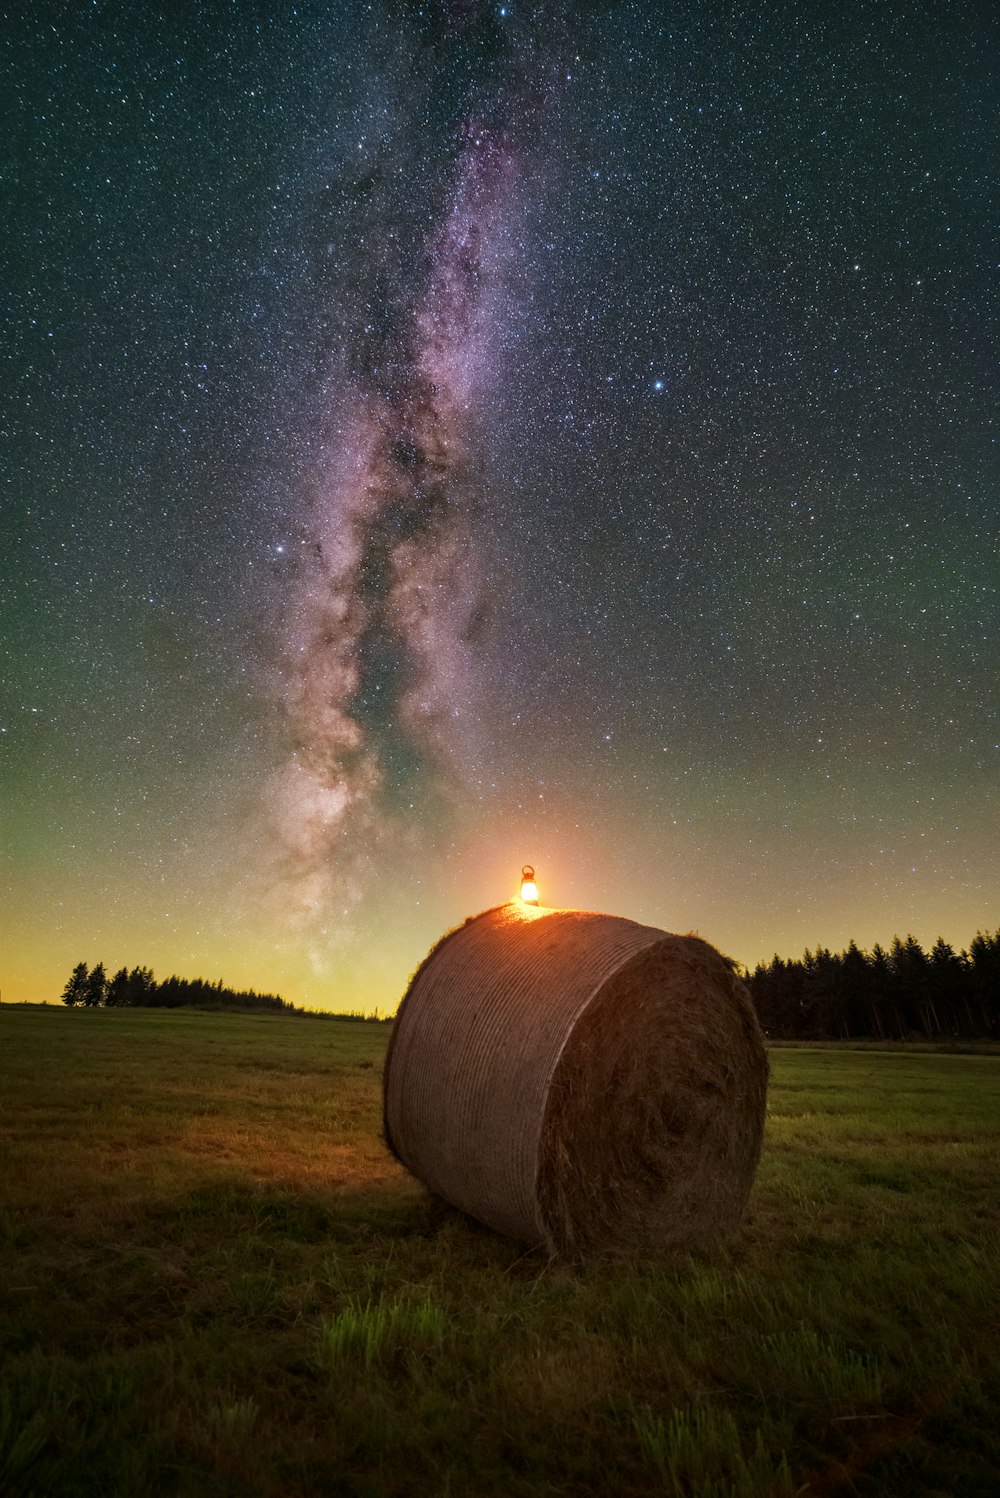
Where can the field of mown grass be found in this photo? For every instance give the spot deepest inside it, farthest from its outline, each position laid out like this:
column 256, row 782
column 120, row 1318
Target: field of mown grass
column 214, row 1280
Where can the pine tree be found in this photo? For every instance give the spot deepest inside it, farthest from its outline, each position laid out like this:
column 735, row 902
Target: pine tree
column 883, row 1008
column 117, row 994
column 140, row 990
column 856, row 983
column 75, row 991
column 984, row 964
column 97, row 987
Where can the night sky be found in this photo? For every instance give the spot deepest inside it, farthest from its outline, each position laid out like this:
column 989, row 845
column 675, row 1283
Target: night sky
column 439, row 437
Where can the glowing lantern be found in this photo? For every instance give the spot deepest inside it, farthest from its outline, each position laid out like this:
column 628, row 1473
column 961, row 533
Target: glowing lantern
column 529, row 889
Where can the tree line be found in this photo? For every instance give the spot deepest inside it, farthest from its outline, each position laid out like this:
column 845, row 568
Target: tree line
column 904, row 993
column 93, row 989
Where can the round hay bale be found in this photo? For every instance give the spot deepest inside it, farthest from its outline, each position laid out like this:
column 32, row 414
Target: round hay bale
column 579, row 1081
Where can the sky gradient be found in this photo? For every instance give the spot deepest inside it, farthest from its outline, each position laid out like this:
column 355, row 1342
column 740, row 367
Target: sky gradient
column 443, row 437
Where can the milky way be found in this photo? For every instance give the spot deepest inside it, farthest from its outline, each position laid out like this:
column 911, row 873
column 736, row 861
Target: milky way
column 380, row 680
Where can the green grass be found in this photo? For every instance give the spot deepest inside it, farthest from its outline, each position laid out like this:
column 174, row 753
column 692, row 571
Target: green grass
column 378, row 1331
column 214, row 1280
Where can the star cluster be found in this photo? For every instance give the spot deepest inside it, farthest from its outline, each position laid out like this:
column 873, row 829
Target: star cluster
column 441, row 436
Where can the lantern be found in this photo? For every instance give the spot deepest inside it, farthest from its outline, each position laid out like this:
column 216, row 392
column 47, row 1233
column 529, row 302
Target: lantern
column 529, row 889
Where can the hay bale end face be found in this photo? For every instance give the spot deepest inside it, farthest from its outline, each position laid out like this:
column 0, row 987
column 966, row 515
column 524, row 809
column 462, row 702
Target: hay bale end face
column 579, row 1081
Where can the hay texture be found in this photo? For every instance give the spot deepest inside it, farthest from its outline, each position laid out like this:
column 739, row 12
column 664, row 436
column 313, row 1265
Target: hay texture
column 579, row 1081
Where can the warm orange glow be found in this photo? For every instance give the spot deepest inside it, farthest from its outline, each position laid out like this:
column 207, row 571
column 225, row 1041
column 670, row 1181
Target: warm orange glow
column 529, row 889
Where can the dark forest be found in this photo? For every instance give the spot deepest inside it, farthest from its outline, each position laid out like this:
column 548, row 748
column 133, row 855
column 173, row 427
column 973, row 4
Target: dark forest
column 904, row 993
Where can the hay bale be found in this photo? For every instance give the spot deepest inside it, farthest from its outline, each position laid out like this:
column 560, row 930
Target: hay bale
column 579, row 1081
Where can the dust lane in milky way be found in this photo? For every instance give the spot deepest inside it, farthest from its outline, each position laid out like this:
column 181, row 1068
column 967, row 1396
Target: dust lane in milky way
column 382, row 647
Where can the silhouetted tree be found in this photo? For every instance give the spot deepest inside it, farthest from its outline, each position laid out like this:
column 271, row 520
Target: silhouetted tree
column 858, row 1014
column 948, row 987
column 75, row 991
column 97, row 987
column 984, row 965
column 117, row 989
column 883, row 1008
column 141, row 985
column 820, row 995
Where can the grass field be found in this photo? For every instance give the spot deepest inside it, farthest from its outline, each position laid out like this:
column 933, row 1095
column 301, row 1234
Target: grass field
column 214, row 1280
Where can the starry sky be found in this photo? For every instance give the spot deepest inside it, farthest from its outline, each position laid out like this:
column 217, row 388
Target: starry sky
column 443, row 436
